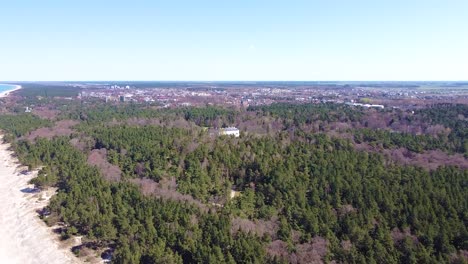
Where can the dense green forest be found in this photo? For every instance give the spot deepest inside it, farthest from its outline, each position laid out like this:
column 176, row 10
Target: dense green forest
column 141, row 229
column 303, row 196
column 19, row 125
column 32, row 90
column 204, row 117
column 390, row 139
column 308, row 113
column 454, row 117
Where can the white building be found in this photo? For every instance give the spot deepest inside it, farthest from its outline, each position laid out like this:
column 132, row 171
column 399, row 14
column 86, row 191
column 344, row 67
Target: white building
column 367, row 105
column 230, row 131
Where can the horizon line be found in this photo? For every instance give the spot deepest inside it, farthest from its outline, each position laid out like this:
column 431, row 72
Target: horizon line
column 39, row 81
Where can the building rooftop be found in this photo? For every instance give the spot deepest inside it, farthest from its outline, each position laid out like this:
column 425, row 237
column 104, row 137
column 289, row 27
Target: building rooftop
column 230, row 129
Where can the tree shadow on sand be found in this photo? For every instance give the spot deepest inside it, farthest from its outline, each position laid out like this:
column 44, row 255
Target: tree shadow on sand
column 30, row 190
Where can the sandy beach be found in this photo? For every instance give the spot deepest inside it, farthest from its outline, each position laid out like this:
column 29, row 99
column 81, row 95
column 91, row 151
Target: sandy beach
column 6, row 93
column 24, row 238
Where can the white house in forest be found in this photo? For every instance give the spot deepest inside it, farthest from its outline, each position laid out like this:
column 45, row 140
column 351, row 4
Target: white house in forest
column 367, row 105
column 230, row 131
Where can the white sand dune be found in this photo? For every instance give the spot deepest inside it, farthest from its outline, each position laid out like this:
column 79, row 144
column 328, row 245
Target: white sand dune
column 24, row 238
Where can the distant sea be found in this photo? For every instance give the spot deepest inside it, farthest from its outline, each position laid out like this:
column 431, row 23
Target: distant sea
column 6, row 87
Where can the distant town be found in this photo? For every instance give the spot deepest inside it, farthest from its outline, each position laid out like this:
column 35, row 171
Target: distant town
column 244, row 94
column 239, row 95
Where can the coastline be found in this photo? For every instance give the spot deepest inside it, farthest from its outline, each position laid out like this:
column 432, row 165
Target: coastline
column 24, row 238
column 6, row 93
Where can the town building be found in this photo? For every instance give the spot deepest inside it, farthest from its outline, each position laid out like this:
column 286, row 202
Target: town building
column 367, row 105
column 229, row 131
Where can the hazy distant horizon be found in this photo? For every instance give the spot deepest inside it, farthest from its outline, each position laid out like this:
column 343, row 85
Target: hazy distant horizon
column 238, row 81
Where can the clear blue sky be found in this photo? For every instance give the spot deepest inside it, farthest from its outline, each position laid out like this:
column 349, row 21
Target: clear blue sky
column 234, row 40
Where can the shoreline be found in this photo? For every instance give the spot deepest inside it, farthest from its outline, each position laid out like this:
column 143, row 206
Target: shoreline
column 6, row 93
column 24, row 237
